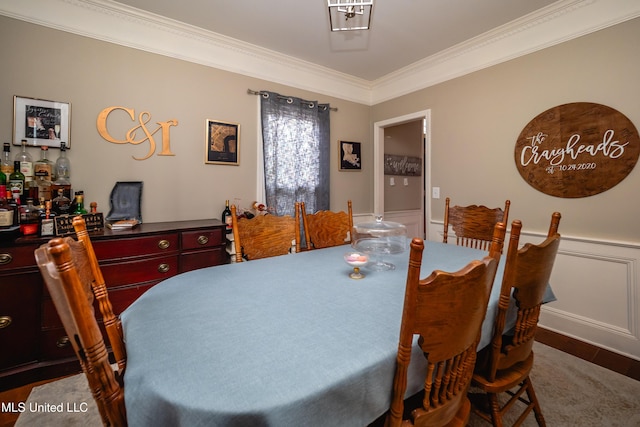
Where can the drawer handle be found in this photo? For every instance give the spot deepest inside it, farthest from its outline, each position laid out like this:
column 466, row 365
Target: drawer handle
column 163, row 268
column 164, row 244
column 5, row 259
column 203, row 240
column 5, row 321
column 63, row 342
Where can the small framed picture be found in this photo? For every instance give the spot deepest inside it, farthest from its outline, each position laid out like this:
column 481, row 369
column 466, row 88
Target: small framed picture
column 223, row 143
column 350, row 156
column 41, row 122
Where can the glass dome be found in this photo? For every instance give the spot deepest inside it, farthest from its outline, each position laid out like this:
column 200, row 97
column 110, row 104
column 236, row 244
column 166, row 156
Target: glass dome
column 379, row 238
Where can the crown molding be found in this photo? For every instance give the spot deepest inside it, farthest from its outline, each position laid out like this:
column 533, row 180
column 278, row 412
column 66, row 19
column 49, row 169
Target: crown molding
column 113, row 22
column 557, row 23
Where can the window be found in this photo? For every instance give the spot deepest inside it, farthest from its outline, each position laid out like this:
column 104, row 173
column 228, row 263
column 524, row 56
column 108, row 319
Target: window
column 296, row 151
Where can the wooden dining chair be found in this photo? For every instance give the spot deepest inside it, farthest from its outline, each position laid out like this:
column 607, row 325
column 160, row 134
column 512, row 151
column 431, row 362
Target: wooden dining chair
column 111, row 322
column 265, row 235
column 506, row 362
column 473, row 225
column 447, row 311
column 325, row 228
column 69, row 276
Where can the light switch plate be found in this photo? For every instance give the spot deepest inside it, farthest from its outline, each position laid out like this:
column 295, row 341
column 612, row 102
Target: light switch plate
column 435, row 192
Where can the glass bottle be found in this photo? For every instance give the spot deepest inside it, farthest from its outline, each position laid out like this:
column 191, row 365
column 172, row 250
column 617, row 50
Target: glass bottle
column 26, row 167
column 42, row 171
column 6, row 165
column 47, row 221
column 17, row 181
column 29, row 218
column 7, row 210
column 3, row 179
column 226, row 218
column 79, row 204
column 61, row 203
column 62, row 173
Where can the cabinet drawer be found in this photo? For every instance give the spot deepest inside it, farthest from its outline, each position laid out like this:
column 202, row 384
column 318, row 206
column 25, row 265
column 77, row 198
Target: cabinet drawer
column 20, row 296
column 133, row 247
column 201, row 239
column 56, row 344
column 201, row 259
column 139, row 271
column 17, row 257
column 120, row 300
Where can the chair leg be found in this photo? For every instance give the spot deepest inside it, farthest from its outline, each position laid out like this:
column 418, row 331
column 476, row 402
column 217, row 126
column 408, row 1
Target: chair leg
column 531, row 394
column 496, row 411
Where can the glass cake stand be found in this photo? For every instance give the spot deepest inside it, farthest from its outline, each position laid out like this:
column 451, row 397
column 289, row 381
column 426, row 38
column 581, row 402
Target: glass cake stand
column 378, row 239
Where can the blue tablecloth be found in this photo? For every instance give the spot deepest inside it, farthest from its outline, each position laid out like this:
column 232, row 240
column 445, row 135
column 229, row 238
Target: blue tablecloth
column 283, row 341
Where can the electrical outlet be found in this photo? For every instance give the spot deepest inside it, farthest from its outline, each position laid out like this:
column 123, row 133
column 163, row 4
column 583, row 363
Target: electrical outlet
column 435, row 192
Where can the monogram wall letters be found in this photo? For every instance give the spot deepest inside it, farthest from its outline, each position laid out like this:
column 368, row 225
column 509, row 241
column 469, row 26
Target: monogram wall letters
column 131, row 135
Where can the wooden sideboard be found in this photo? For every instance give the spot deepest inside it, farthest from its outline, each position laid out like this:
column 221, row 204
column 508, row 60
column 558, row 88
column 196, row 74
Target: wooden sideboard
column 33, row 343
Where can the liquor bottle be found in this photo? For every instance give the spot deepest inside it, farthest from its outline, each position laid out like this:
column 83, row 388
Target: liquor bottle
column 47, row 221
column 78, row 204
column 42, row 171
column 26, row 167
column 6, row 165
column 17, row 181
column 14, row 203
column 3, row 179
column 226, row 218
column 7, row 210
column 29, row 218
column 61, row 203
column 62, row 173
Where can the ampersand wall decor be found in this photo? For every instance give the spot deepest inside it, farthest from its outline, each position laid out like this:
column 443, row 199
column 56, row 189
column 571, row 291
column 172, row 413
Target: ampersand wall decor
column 139, row 133
column 577, row 150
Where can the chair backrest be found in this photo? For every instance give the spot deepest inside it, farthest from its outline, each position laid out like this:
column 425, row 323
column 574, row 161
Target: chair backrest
column 473, row 225
column 324, row 229
column 526, row 275
column 111, row 322
column 67, row 272
column 447, row 311
column 265, row 235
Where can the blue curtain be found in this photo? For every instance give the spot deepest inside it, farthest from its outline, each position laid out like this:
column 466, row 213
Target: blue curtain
column 295, row 135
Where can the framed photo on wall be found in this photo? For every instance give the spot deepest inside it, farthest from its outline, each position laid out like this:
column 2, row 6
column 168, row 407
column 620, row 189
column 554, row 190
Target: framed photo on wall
column 350, row 156
column 223, row 143
column 41, row 122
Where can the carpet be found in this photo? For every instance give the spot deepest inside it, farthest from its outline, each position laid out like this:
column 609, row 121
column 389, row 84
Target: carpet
column 571, row 391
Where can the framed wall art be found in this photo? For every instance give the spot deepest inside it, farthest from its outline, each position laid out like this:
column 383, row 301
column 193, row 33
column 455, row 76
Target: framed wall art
column 223, row 143
column 41, row 122
column 350, row 156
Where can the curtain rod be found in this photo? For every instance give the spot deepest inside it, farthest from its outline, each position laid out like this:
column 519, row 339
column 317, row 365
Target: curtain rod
column 259, row 92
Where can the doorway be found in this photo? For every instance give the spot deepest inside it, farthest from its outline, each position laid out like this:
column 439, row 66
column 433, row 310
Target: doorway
column 418, row 220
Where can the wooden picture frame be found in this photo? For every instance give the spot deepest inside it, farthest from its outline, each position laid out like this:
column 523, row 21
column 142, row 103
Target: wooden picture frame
column 222, row 145
column 350, row 156
column 41, row 122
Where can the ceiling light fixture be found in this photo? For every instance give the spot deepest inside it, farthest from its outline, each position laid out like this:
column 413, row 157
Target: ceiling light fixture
column 350, row 15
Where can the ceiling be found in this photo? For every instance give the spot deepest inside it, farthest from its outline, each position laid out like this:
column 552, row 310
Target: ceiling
column 402, row 31
column 412, row 44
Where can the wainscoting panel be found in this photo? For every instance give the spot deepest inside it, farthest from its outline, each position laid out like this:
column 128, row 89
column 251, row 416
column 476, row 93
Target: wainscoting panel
column 597, row 285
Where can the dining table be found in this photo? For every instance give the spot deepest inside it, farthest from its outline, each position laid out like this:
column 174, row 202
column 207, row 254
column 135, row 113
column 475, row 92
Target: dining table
column 291, row 340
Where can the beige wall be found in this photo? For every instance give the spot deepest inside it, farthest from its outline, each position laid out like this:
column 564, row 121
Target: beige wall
column 477, row 118
column 475, row 121
column 39, row 62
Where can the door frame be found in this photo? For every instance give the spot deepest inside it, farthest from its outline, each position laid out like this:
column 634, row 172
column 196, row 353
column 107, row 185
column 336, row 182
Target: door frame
column 378, row 162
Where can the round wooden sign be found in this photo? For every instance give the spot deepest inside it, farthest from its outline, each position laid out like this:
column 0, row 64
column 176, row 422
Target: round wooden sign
column 577, row 150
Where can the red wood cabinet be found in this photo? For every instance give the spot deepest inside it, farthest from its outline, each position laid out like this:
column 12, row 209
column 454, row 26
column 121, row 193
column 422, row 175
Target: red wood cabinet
column 33, row 342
